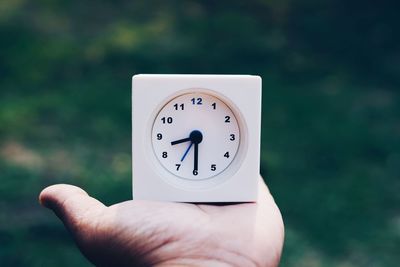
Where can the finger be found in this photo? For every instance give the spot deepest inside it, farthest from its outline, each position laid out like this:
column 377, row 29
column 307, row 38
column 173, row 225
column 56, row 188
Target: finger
column 70, row 203
column 263, row 191
column 267, row 201
column 262, row 186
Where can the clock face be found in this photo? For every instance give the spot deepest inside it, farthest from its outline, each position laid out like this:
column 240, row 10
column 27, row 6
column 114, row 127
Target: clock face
column 195, row 136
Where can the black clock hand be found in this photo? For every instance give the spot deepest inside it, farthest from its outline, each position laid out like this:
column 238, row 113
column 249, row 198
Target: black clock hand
column 196, row 137
column 196, row 157
column 180, row 141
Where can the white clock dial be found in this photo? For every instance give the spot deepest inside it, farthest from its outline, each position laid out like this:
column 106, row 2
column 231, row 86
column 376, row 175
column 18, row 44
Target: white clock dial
column 195, row 136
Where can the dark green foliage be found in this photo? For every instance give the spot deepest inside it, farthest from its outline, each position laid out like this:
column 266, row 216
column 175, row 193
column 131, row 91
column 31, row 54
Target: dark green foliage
column 331, row 128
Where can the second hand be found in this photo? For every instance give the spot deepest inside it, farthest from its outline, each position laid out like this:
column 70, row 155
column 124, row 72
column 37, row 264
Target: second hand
column 186, row 152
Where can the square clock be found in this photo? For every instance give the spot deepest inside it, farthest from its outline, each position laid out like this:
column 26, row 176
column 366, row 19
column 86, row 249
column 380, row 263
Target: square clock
column 196, row 138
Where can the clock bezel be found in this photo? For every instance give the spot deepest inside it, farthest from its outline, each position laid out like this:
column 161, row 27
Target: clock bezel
column 192, row 184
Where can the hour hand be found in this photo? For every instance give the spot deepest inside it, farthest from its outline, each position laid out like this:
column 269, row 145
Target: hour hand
column 180, row 141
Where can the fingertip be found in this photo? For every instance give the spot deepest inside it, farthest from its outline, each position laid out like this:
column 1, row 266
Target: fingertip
column 263, row 185
column 54, row 193
column 266, row 198
column 264, row 194
column 70, row 203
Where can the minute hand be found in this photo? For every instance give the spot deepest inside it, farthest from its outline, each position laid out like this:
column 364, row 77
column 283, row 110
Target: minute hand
column 196, row 157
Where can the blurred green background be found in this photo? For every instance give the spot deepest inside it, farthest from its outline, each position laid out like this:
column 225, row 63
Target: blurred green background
column 331, row 112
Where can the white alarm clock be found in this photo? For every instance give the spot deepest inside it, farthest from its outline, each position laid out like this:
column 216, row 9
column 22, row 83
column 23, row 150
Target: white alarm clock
column 196, row 138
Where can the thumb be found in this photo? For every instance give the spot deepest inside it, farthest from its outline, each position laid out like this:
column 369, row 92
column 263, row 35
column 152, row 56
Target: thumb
column 71, row 204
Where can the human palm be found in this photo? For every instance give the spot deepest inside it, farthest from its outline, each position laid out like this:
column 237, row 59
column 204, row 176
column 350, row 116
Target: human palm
column 151, row 233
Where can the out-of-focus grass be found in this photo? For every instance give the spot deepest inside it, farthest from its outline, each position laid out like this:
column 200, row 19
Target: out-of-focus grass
column 333, row 166
column 330, row 150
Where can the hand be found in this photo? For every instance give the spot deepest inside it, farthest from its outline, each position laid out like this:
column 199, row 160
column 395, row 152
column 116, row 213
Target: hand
column 150, row 233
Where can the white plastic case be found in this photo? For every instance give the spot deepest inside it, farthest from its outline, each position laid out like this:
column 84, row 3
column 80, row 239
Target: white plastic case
column 238, row 182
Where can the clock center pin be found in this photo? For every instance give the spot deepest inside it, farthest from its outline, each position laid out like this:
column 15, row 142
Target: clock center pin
column 196, row 137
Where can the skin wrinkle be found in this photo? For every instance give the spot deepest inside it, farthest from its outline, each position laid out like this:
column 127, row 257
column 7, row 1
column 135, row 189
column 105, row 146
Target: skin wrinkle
column 233, row 251
column 191, row 245
column 178, row 258
column 109, row 241
column 164, row 243
column 194, row 263
column 162, row 248
column 75, row 221
column 236, row 252
column 94, row 223
column 152, row 241
column 203, row 253
column 114, row 247
column 159, row 257
column 227, row 254
column 234, row 246
column 142, row 245
column 84, row 227
column 241, row 255
column 201, row 259
column 156, row 242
